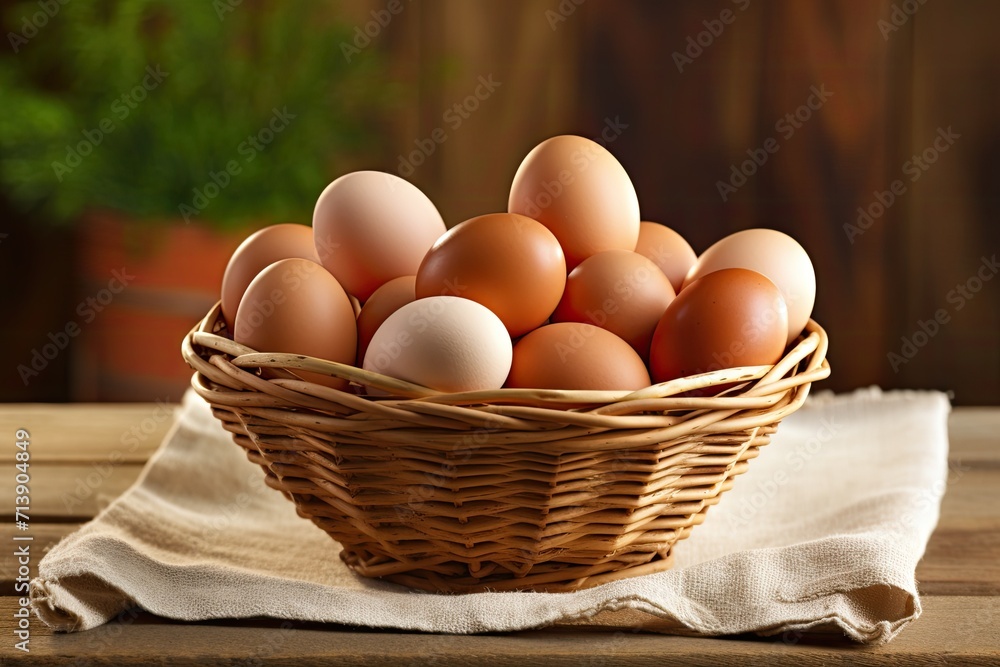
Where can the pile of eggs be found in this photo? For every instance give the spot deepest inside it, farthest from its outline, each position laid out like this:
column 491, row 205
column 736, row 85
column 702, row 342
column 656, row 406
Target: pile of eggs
column 568, row 289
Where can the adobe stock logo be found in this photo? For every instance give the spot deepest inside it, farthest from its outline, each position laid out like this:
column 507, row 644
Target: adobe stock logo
column 248, row 149
column 30, row 25
column 363, row 35
column 562, row 13
column 59, row 340
column 915, row 167
column 454, row 117
column 898, row 17
column 579, row 161
column 957, row 298
column 786, row 126
column 120, row 109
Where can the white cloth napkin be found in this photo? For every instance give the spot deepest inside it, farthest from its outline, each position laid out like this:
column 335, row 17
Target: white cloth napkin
column 825, row 529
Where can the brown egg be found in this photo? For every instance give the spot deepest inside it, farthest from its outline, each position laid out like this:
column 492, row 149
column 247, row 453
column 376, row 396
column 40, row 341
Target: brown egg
column 511, row 264
column 775, row 254
column 572, row 355
column 577, row 189
column 668, row 250
column 729, row 318
column 620, row 291
column 386, row 300
column 371, row 227
column 261, row 249
column 296, row 306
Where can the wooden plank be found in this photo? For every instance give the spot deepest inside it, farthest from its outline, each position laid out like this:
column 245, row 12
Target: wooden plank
column 45, row 535
column 75, row 491
column 952, row 630
column 86, row 432
column 496, row 121
column 954, row 52
column 963, row 554
column 962, row 560
column 974, row 434
column 973, row 496
column 693, row 122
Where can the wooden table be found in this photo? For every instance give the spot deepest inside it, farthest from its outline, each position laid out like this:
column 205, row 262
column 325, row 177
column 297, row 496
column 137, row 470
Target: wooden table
column 72, row 478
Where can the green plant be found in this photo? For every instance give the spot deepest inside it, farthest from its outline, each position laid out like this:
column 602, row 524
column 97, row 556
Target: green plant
column 182, row 87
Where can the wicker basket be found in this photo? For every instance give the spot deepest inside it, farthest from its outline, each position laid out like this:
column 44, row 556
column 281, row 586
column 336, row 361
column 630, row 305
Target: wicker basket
column 500, row 490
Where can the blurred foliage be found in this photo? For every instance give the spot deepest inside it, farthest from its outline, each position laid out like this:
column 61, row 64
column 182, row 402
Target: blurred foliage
column 226, row 67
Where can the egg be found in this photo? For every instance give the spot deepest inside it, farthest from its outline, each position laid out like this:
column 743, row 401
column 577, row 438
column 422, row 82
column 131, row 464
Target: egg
column 511, row 264
column 370, row 227
column 668, row 250
column 445, row 343
column 776, row 255
column 577, row 189
column 296, row 306
column 257, row 252
column 573, row 355
column 620, row 291
column 726, row 319
column 385, row 301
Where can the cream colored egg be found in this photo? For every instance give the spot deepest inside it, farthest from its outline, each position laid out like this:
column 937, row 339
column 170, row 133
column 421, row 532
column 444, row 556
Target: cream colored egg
column 445, row 343
column 370, row 227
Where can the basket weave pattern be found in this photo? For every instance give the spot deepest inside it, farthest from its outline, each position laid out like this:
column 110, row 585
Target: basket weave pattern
column 500, row 490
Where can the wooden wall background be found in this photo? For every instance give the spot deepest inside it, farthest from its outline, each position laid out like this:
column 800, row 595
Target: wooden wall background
column 610, row 59
column 565, row 66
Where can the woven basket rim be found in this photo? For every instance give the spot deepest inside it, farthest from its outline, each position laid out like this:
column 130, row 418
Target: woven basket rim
column 812, row 344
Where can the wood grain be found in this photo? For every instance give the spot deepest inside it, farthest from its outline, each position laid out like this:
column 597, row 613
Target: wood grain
column 533, row 69
column 952, row 208
column 974, row 433
column 74, row 491
column 86, row 432
column 952, row 631
column 691, row 125
column 44, row 536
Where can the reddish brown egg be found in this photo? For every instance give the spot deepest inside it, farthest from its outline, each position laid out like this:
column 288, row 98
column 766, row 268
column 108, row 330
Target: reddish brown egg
column 261, row 249
column 620, row 291
column 728, row 318
column 577, row 189
column 668, row 250
column 511, row 264
column 386, row 300
column 296, row 306
column 572, row 355
column 775, row 254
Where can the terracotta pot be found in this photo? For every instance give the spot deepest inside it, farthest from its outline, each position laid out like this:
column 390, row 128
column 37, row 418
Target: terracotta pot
column 142, row 286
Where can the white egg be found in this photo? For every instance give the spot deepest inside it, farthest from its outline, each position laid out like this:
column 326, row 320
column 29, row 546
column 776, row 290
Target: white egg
column 442, row 342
